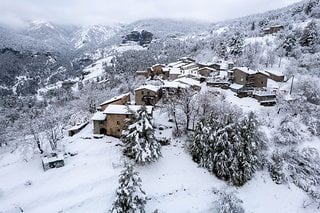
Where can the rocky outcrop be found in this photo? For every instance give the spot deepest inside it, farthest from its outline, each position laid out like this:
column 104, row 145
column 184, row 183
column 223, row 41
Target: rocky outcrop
column 143, row 38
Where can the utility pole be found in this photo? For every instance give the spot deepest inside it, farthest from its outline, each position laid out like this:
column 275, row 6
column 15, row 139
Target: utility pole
column 291, row 85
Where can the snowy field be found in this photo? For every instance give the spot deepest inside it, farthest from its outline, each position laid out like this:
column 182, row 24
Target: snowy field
column 88, row 181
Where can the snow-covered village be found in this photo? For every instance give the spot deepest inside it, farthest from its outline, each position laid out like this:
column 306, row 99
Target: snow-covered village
column 134, row 106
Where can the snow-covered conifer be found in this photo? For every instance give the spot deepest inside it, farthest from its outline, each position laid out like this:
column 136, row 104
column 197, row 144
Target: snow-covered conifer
column 139, row 139
column 228, row 202
column 130, row 197
column 276, row 168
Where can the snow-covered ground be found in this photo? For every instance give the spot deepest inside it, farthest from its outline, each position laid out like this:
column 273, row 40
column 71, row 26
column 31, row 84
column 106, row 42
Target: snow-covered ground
column 96, row 69
column 88, row 181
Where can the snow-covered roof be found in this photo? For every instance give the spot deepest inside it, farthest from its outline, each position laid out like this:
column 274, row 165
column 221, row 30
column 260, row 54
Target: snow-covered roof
column 175, row 71
column 236, row 86
column 245, row 70
column 141, row 71
column 174, row 84
column 148, row 87
column 276, row 73
column 264, row 73
column 98, row 116
column 263, row 93
column 115, row 99
column 177, row 64
column 156, row 65
column 207, row 68
column 188, row 81
column 223, row 66
column 166, row 69
column 54, row 157
column 189, row 66
column 125, row 110
column 79, row 126
column 189, row 75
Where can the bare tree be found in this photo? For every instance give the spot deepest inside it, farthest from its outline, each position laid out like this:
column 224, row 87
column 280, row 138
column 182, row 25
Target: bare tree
column 171, row 107
column 186, row 103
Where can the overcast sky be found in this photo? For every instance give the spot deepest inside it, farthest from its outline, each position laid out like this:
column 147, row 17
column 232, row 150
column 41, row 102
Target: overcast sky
column 86, row 12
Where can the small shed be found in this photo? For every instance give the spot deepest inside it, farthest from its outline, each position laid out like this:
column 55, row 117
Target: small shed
column 52, row 160
column 265, row 99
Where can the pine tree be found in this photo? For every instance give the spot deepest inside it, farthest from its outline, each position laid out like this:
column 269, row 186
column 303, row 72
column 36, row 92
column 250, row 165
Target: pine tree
column 276, row 168
column 227, row 148
column 289, row 44
column 309, row 36
column 236, row 44
column 140, row 142
column 130, row 197
column 200, row 146
column 249, row 150
column 223, row 152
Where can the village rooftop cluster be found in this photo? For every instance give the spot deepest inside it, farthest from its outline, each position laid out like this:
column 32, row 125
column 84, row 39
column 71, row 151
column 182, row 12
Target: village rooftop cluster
column 111, row 116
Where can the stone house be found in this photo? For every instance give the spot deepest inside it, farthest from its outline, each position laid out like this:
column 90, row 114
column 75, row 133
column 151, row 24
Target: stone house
column 276, row 76
column 244, row 76
column 261, row 79
column 147, row 95
column 206, row 71
column 119, row 100
column 117, row 116
column 172, row 89
column 249, row 78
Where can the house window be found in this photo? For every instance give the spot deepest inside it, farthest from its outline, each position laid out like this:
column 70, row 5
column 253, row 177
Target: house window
column 127, row 116
column 148, row 93
column 118, row 122
column 118, row 130
column 142, row 92
column 101, row 122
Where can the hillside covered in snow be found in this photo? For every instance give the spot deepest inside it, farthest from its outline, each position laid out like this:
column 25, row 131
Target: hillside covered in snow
column 234, row 125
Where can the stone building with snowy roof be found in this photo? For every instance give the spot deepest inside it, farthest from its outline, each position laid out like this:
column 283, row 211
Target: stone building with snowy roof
column 99, row 123
column 147, row 95
column 275, row 75
column 194, row 84
column 249, row 78
column 113, row 119
column 119, row 100
column 117, row 116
